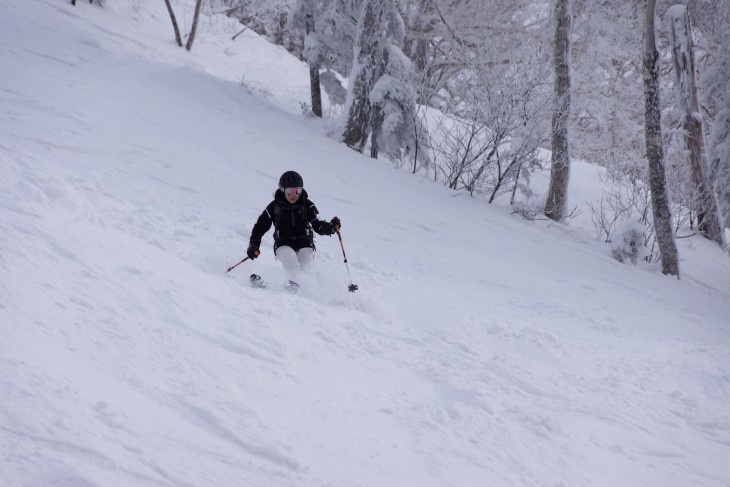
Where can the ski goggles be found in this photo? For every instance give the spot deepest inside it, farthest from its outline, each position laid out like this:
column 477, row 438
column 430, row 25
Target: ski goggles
column 292, row 191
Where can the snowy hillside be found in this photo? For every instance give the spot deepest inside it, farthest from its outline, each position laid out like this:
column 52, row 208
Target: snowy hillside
column 481, row 349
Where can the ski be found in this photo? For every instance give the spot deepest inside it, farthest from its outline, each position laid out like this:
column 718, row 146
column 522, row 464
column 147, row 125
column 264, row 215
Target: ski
column 257, row 282
column 291, row 287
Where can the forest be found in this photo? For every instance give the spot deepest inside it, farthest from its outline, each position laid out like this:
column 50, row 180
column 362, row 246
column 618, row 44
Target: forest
column 474, row 94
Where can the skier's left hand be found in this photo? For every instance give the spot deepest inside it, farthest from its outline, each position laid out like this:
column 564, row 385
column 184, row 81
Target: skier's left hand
column 253, row 251
column 336, row 224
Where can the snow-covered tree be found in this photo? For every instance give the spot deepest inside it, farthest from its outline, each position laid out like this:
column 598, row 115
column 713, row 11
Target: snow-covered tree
column 715, row 81
column 491, row 138
column 692, row 123
column 380, row 33
column 445, row 37
column 654, row 150
column 329, row 31
column 720, row 160
column 313, row 53
column 365, row 72
column 492, row 91
column 268, row 18
column 397, row 128
column 606, row 122
column 711, row 28
column 331, row 37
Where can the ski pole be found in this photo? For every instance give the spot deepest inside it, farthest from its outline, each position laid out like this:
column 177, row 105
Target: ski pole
column 241, row 262
column 352, row 287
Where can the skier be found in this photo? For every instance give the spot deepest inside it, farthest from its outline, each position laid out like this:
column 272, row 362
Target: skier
column 294, row 216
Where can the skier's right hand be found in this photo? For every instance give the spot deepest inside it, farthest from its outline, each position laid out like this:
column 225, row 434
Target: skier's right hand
column 253, row 251
column 336, row 224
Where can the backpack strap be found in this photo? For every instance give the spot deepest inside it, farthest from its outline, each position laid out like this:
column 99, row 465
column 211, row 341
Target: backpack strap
column 277, row 215
column 303, row 211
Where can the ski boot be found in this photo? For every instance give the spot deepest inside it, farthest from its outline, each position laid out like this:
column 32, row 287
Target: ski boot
column 257, row 282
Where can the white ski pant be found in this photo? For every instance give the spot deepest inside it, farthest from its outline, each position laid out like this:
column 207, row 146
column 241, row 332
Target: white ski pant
column 293, row 260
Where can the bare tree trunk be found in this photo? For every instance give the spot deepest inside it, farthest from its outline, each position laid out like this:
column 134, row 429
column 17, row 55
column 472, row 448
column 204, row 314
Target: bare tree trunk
column 416, row 138
column 316, row 90
column 194, row 28
column 376, row 127
column 174, row 22
column 654, row 151
column 314, row 84
column 560, row 170
column 514, row 188
column 708, row 219
column 377, row 115
column 357, row 129
column 239, row 33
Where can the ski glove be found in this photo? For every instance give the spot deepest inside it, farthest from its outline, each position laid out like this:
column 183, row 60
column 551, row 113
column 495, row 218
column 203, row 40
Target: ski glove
column 336, row 224
column 253, row 251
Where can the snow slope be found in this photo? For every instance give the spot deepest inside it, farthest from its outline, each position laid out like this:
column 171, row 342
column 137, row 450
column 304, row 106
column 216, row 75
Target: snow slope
column 481, row 349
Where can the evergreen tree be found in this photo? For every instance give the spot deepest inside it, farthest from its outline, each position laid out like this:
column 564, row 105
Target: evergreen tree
column 397, row 129
column 380, row 33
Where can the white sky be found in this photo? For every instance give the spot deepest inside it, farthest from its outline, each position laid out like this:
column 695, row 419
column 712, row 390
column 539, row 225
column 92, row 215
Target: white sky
column 481, row 349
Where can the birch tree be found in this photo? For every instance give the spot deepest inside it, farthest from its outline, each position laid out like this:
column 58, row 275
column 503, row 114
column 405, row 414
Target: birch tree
column 692, row 124
column 194, row 28
column 174, row 22
column 654, row 151
column 560, row 170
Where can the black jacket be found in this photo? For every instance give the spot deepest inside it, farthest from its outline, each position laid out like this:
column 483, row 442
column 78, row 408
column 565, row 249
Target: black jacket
column 293, row 224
